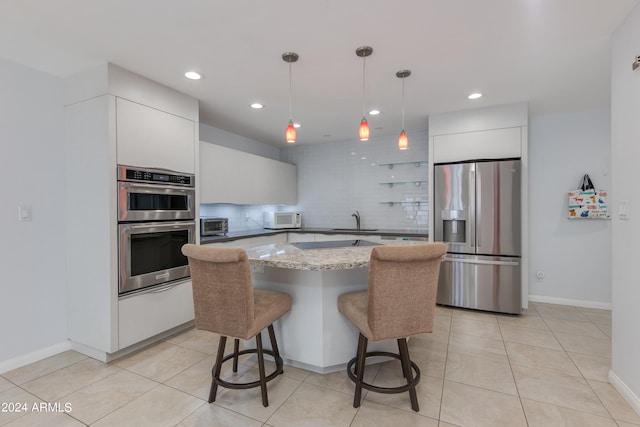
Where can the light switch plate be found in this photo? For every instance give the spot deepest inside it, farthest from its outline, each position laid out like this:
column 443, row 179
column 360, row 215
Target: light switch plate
column 24, row 213
column 623, row 209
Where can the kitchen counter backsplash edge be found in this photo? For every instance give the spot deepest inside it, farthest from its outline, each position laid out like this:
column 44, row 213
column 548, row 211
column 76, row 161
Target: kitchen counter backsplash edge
column 237, row 235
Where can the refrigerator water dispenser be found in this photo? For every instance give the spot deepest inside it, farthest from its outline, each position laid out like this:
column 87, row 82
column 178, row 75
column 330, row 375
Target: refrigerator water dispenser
column 453, row 227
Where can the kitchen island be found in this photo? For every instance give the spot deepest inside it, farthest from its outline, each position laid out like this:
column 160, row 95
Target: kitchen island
column 314, row 335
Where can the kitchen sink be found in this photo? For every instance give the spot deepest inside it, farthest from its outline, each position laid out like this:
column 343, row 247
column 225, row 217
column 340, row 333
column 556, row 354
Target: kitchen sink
column 354, row 230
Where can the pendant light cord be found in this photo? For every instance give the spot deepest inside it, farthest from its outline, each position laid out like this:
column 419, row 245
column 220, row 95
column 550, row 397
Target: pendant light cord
column 364, row 59
column 290, row 114
column 403, row 103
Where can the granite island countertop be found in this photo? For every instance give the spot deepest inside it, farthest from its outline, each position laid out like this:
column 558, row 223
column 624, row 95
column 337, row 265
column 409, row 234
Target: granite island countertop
column 289, row 256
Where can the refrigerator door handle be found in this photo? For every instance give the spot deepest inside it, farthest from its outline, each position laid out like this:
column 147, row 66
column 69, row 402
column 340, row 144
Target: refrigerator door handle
column 478, row 208
column 472, row 207
column 480, row 261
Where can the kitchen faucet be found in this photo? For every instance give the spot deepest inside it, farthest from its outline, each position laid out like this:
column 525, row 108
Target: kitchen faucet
column 357, row 216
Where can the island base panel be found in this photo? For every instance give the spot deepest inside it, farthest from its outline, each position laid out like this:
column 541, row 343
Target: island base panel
column 314, row 335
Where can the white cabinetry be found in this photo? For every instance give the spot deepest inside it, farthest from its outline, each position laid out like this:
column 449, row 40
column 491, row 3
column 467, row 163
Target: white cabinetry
column 300, row 237
column 488, row 144
column 275, row 183
column 147, row 137
column 151, row 313
column 232, row 176
column 102, row 107
column 225, row 175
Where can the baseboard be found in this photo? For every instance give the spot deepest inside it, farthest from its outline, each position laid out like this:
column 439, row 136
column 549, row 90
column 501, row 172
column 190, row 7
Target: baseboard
column 109, row 357
column 25, row 359
column 625, row 392
column 573, row 302
column 34, row 356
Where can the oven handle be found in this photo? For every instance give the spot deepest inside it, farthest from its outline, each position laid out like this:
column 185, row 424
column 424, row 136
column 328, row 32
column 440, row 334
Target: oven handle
column 161, row 289
column 156, row 188
column 182, row 225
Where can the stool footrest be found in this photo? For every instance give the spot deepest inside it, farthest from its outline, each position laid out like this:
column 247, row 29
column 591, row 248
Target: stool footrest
column 279, row 370
column 387, row 390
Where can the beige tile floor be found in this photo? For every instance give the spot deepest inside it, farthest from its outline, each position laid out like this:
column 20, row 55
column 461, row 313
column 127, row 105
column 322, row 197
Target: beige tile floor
column 547, row 367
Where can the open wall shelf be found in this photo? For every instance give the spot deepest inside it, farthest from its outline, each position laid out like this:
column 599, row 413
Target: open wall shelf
column 403, row 203
column 392, row 165
column 416, row 183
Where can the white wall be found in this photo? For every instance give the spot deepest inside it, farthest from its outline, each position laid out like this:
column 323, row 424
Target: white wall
column 625, row 152
column 573, row 254
column 336, row 179
column 32, row 303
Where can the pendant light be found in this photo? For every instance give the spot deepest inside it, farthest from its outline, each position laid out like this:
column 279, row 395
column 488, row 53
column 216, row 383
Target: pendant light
column 403, row 141
column 363, row 52
column 290, row 134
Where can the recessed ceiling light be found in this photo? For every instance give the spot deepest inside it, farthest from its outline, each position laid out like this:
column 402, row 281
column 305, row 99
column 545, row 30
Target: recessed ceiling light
column 374, row 112
column 257, row 105
column 297, row 125
column 192, row 75
column 475, row 95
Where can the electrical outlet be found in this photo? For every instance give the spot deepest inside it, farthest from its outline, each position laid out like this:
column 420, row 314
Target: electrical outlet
column 246, row 217
column 539, row 275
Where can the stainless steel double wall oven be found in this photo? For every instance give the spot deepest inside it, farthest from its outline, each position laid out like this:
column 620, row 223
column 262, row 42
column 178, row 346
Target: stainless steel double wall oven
column 156, row 216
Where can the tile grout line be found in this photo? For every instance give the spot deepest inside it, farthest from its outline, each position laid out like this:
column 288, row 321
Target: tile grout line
column 446, row 361
column 579, row 370
column 515, row 383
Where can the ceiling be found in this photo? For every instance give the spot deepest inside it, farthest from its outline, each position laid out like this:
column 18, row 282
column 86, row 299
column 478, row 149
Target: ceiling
column 554, row 54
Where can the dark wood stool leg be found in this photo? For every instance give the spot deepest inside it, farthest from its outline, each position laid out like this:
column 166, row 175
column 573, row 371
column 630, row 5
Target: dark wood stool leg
column 263, row 382
column 406, row 370
column 359, row 369
column 236, row 347
column 222, row 342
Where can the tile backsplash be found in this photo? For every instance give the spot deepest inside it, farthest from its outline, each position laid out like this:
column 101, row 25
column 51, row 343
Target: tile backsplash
column 337, row 179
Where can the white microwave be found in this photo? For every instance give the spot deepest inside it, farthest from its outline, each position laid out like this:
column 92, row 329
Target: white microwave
column 282, row 220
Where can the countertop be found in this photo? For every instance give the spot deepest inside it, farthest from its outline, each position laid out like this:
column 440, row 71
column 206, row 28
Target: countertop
column 286, row 255
column 419, row 233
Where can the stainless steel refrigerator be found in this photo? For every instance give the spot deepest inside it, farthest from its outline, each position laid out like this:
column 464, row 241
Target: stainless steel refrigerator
column 477, row 213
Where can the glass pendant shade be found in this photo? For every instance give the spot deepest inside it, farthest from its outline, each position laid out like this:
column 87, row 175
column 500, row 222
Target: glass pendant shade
column 291, row 133
column 364, row 130
column 403, row 141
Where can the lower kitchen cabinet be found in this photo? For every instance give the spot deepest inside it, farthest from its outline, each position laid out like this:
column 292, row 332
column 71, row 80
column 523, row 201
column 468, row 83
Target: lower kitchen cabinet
column 251, row 241
column 150, row 313
column 300, row 237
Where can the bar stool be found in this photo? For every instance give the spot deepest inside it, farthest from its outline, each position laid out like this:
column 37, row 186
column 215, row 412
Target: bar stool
column 400, row 302
column 226, row 303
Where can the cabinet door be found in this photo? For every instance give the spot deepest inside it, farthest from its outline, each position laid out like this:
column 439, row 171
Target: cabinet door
column 226, row 175
column 147, row 137
column 275, row 183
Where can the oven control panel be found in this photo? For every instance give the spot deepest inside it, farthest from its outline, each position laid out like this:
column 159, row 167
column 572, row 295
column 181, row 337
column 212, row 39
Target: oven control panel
column 154, row 176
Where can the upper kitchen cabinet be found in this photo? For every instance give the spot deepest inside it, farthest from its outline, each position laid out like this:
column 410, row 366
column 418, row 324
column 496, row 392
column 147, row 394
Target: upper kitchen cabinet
column 232, row 176
column 225, row 175
column 275, row 183
column 152, row 138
